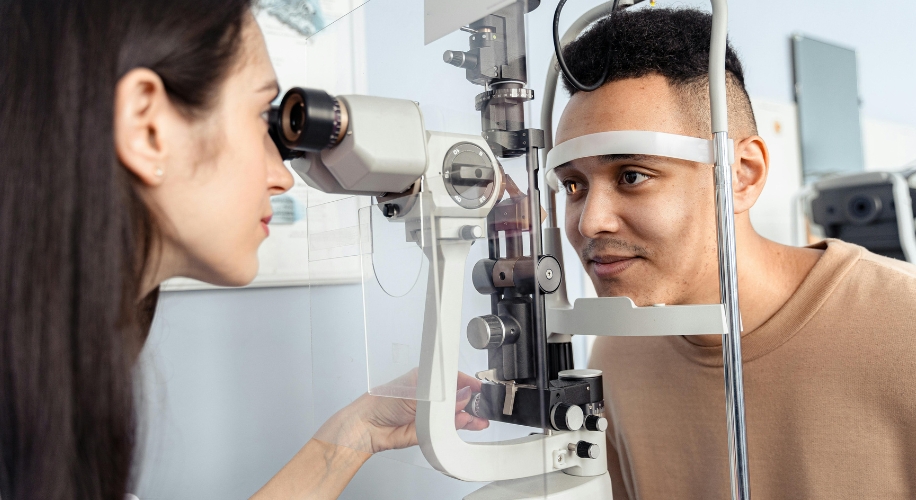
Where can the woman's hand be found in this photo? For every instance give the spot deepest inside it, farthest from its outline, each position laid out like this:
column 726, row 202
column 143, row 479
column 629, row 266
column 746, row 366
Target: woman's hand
column 324, row 466
column 375, row 423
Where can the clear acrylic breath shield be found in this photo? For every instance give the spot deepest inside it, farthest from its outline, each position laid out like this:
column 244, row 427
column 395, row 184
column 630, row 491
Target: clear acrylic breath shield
column 400, row 296
column 388, row 249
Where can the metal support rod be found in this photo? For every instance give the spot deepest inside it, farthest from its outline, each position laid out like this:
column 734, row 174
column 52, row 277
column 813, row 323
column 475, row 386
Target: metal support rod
column 550, row 206
column 493, row 253
column 731, row 341
column 538, row 304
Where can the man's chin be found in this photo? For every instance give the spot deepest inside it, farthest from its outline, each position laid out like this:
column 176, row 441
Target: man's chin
column 606, row 288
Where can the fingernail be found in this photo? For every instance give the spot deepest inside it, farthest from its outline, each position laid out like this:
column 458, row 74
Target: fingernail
column 464, row 393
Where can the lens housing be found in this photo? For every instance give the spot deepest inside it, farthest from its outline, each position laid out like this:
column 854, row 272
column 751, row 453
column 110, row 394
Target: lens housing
column 862, row 209
column 309, row 120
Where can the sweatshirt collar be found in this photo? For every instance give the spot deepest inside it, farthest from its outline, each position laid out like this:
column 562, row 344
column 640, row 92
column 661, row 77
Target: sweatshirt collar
column 836, row 261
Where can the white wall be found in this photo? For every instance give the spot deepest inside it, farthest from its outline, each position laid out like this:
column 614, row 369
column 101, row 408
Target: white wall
column 229, row 379
column 881, row 33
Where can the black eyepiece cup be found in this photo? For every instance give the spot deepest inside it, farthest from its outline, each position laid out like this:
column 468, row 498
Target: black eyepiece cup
column 309, row 120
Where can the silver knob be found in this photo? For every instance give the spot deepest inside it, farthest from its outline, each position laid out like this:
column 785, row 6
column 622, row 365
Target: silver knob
column 566, row 417
column 584, row 449
column 595, row 423
column 471, row 232
column 486, row 331
column 460, row 59
column 453, row 57
column 549, row 274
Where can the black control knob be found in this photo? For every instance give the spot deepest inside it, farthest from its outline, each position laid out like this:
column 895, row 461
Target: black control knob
column 584, row 449
column 476, row 406
column 566, row 417
column 596, row 423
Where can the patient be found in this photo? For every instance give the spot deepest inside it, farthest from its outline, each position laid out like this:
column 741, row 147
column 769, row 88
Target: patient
column 829, row 340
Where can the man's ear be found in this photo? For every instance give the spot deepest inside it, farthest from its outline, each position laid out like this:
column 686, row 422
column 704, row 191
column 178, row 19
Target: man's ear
column 140, row 104
column 749, row 173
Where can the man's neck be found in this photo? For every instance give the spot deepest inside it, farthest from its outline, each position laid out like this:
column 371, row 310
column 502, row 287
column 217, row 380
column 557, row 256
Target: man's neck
column 768, row 274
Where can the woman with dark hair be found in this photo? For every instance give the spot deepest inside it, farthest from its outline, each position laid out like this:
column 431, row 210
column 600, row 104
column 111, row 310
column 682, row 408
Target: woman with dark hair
column 133, row 148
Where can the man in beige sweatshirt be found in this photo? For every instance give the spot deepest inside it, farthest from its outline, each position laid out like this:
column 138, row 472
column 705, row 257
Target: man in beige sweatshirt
column 829, row 340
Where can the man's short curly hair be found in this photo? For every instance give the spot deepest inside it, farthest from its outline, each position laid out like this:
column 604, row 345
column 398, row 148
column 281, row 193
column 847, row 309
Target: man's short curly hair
column 673, row 43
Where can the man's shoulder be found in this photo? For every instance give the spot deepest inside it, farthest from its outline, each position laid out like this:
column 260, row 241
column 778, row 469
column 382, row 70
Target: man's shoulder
column 888, row 267
column 878, row 289
column 870, row 271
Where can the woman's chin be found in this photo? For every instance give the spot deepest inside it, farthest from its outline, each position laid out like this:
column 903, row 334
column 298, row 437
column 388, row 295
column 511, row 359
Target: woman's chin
column 236, row 276
column 242, row 278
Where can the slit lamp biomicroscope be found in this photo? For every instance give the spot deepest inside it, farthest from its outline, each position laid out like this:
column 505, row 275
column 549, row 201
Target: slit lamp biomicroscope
column 450, row 190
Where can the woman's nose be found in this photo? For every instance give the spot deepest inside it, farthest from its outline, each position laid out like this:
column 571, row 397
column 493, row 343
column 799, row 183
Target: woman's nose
column 279, row 178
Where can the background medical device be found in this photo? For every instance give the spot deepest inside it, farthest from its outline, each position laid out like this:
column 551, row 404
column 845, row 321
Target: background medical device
column 872, row 209
column 447, row 191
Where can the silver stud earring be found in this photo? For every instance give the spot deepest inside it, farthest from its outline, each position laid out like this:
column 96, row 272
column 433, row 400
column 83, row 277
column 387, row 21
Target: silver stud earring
column 158, row 172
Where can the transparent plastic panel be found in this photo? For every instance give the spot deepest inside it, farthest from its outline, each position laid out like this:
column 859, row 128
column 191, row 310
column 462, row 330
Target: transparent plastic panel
column 335, row 299
column 307, row 18
column 400, row 296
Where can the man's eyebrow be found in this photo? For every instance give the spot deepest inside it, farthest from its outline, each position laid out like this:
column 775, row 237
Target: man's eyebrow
column 629, row 157
column 615, row 158
column 561, row 167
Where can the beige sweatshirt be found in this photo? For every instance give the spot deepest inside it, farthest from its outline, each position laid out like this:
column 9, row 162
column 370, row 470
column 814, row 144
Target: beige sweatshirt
column 830, row 394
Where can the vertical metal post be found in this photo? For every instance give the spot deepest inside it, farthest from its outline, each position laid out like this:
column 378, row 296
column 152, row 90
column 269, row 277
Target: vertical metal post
column 538, row 305
column 731, row 342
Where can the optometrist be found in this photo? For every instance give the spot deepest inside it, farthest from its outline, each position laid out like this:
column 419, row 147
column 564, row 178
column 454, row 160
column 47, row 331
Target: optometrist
column 133, row 148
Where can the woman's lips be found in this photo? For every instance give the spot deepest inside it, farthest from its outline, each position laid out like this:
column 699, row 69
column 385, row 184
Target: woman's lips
column 264, row 224
column 609, row 268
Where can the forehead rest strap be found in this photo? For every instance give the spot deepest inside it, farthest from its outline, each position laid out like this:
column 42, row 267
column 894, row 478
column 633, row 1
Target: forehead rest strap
column 635, row 142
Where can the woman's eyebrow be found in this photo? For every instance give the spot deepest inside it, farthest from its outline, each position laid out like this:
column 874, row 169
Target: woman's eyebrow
column 270, row 86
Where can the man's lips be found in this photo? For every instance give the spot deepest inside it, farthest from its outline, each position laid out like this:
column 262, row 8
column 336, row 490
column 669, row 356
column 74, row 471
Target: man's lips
column 265, row 222
column 609, row 259
column 609, row 266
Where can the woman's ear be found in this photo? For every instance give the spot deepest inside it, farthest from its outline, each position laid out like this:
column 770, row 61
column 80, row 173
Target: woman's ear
column 749, row 173
column 140, row 104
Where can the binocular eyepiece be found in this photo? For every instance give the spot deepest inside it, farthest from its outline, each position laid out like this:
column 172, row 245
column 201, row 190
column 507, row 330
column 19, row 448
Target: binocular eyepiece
column 307, row 120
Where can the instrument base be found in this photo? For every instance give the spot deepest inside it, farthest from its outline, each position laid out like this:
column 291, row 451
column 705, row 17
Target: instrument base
column 553, row 486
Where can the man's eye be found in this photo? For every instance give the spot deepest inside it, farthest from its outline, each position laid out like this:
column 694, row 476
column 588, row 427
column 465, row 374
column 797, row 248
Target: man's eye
column 572, row 187
column 265, row 116
column 632, row 178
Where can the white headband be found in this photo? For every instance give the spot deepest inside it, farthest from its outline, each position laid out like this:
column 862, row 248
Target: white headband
column 635, row 142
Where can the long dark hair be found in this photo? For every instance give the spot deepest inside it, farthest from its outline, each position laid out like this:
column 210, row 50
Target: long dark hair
column 75, row 236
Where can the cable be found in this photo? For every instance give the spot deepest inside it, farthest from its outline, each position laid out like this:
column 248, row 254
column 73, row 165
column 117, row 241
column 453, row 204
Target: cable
column 559, row 51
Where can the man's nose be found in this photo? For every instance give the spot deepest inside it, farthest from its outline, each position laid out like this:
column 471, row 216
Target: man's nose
column 599, row 216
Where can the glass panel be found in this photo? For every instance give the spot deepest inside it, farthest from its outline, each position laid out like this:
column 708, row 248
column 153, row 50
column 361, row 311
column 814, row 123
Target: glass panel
column 308, row 17
column 400, row 296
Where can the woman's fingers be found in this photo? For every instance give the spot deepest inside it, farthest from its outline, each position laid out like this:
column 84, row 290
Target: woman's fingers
column 469, row 422
column 464, row 420
column 463, row 398
column 465, row 380
column 477, row 424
